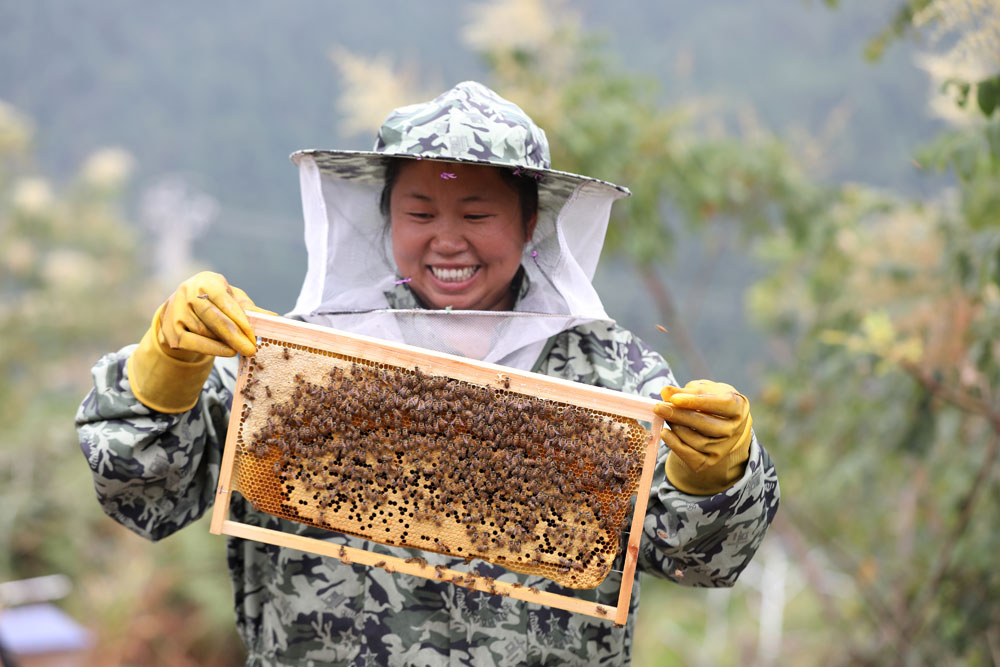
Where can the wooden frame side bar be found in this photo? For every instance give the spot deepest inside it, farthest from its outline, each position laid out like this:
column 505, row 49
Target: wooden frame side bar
column 638, row 517
column 220, row 511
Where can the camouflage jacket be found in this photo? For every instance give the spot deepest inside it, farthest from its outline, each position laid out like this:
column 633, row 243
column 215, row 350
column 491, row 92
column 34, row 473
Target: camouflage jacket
column 156, row 473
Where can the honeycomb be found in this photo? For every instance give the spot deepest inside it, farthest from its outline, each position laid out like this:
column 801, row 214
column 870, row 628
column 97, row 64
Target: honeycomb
column 405, row 458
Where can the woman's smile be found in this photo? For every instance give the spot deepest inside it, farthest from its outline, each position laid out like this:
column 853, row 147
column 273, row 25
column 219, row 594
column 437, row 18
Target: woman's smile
column 453, row 276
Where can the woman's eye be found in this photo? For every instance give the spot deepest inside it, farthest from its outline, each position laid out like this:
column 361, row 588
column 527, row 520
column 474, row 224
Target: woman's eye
column 420, row 216
column 477, row 216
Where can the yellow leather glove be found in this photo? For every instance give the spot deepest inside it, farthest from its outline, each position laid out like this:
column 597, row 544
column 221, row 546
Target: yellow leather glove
column 203, row 319
column 709, row 435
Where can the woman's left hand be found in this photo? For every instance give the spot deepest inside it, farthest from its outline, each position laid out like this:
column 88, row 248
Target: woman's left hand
column 709, row 435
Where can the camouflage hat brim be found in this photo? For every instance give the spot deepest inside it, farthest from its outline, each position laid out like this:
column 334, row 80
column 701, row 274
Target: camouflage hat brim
column 369, row 167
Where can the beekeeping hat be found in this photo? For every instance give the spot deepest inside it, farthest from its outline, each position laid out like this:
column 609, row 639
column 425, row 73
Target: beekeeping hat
column 351, row 280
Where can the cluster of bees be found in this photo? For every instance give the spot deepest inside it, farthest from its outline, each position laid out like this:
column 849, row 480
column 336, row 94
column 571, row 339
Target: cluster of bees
column 528, row 483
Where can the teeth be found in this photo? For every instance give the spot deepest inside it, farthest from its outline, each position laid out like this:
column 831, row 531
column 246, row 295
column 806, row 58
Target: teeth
column 453, row 275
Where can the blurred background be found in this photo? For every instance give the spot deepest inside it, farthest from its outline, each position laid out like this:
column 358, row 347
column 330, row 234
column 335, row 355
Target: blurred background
column 815, row 220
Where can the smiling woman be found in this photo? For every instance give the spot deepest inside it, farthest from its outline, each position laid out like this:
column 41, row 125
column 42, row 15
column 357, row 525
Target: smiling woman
column 489, row 254
column 459, row 240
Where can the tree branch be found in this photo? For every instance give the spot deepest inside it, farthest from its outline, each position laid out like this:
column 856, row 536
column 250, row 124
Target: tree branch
column 918, row 617
column 959, row 399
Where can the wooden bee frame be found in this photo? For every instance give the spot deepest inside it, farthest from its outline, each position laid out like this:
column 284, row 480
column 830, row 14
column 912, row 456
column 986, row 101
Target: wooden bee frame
column 298, row 336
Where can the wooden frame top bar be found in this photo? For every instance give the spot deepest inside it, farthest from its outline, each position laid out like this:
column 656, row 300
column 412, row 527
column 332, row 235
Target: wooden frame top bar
column 460, row 368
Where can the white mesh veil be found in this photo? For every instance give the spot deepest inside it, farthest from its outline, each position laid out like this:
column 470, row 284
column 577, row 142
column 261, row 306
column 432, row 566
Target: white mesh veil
column 351, row 280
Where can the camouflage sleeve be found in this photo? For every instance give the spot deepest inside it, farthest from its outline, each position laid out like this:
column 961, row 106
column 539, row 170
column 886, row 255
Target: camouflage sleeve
column 701, row 540
column 154, row 473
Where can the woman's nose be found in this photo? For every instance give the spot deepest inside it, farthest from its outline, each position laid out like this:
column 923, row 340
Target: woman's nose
column 449, row 237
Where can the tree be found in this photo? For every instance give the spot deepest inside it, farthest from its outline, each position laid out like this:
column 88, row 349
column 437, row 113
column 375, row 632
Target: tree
column 888, row 311
column 71, row 288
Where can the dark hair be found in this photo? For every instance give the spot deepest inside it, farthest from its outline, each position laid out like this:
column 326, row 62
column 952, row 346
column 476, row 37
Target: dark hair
column 525, row 186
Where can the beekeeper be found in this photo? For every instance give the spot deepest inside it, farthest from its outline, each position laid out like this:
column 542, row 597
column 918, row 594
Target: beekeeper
column 454, row 234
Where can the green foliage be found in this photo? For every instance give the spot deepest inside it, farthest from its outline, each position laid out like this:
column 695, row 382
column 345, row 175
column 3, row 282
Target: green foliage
column 988, row 95
column 71, row 286
column 901, row 25
column 888, row 390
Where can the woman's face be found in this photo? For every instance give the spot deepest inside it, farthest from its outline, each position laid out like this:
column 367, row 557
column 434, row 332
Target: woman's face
column 457, row 234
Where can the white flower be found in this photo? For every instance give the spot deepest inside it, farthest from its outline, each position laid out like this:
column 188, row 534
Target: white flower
column 19, row 256
column 65, row 268
column 32, row 195
column 15, row 130
column 107, row 168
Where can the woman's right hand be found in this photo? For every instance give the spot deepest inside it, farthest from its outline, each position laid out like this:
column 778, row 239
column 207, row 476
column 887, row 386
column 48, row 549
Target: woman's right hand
column 207, row 316
column 203, row 319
